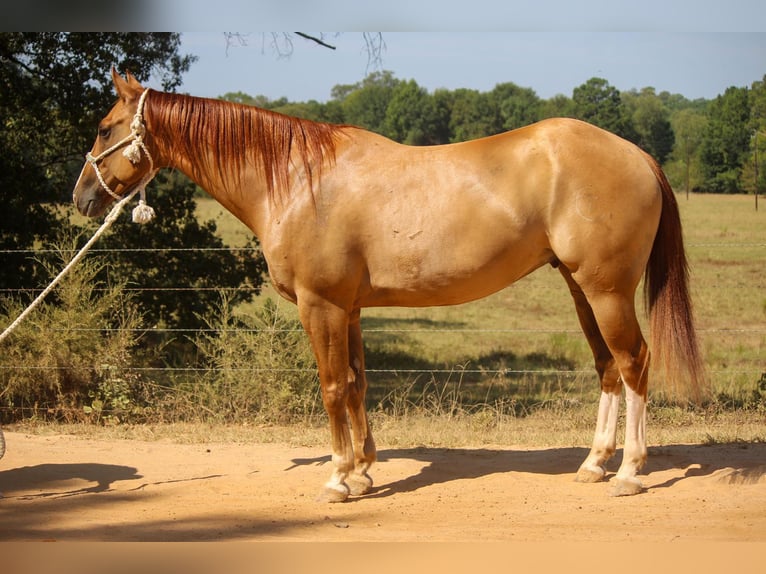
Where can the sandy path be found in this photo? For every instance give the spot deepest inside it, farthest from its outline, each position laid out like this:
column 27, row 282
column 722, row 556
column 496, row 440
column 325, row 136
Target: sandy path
column 70, row 488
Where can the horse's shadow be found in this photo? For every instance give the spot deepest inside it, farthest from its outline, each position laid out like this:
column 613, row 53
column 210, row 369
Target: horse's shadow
column 449, row 464
column 44, row 477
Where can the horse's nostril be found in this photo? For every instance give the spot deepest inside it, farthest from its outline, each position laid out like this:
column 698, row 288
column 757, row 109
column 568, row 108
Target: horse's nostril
column 89, row 208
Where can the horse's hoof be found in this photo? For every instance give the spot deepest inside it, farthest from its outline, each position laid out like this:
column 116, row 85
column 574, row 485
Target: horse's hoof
column 626, row 487
column 359, row 484
column 590, row 474
column 333, row 493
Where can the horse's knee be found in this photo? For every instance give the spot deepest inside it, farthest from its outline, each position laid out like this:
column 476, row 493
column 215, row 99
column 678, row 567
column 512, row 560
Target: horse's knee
column 334, row 397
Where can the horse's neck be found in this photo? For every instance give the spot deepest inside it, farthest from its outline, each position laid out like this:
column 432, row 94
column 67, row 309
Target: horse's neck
column 247, row 203
column 240, row 193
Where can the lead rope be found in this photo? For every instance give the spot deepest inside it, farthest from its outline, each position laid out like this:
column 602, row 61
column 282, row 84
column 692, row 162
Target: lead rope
column 141, row 214
column 110, row 218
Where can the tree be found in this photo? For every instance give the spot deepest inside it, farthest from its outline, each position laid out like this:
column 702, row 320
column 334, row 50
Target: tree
column 758, row 104
column 176, row 283
column 516, row 106
column 411, row 116
column 753, row 172
column 651, row 122
column 331, row 112
column 442, row 102
column 55, row 87
column 684, row 170
column 365, row 103
column 726, row 141
column 58, row 89
column 473, row 115
column 248, row 100
column 559, row 106
column 283, row 43
column 677, row 102
column 599, row 103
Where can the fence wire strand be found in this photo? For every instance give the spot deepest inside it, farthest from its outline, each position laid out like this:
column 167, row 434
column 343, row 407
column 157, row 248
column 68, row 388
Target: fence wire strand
column 32, row 291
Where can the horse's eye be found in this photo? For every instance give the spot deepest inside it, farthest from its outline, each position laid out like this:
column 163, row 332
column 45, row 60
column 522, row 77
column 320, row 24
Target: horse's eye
column 104, row 133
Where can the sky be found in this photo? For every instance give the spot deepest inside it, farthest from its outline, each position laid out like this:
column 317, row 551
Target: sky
column 697, row 61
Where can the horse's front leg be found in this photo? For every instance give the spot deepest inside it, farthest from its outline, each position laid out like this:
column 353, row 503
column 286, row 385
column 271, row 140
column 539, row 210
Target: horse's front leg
column 359, row 481
column 327, row 328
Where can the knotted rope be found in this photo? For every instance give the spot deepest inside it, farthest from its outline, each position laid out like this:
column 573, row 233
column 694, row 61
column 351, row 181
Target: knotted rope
column 141, row 214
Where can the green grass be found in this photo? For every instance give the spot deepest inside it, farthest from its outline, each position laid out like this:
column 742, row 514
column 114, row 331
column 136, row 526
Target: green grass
column 726, row 240
column 532, row 326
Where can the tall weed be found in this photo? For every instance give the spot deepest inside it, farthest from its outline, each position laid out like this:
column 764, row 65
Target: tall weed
column 260, row 366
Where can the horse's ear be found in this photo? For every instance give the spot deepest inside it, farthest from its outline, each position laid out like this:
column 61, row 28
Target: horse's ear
column 128, row 90
column 133, row 83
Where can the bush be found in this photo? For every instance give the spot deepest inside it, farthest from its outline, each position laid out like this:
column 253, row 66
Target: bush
column 68, row 359
column 261, row 366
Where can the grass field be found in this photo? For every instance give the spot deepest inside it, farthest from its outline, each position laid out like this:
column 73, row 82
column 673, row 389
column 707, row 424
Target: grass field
column 523, row 346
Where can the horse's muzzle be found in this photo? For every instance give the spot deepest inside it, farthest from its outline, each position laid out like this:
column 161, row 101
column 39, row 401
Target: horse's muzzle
column 90, row 200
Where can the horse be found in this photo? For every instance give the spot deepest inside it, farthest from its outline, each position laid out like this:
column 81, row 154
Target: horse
column 348, row 219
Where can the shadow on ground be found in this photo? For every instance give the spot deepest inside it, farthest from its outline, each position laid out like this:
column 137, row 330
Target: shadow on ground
column 731, row 463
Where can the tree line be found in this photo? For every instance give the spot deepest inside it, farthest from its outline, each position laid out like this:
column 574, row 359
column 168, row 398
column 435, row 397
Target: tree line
column 704, row 145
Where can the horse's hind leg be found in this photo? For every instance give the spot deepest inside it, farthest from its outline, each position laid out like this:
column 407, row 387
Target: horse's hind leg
column 605, row 436
column 616, row 317
column 359, row 482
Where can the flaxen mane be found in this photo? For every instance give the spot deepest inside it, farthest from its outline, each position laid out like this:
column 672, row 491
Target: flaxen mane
column 241, row 134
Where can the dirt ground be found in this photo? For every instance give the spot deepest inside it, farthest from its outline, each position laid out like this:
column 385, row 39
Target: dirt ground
column 68, row 488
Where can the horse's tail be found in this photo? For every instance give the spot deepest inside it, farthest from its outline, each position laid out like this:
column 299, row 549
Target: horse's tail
column 674, row 345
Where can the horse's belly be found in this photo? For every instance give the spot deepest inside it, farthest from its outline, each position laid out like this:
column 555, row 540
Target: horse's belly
column 447, row 280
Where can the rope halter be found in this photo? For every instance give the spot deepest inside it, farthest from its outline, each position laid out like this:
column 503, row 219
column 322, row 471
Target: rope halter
column 135, row 140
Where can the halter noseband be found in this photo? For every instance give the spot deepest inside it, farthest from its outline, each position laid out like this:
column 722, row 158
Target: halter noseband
column 142, row 213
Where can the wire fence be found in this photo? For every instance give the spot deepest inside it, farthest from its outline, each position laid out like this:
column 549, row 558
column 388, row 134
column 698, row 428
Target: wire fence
column 467, row 331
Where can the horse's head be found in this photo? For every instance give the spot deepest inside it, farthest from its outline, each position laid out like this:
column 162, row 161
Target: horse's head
column 120, row 159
